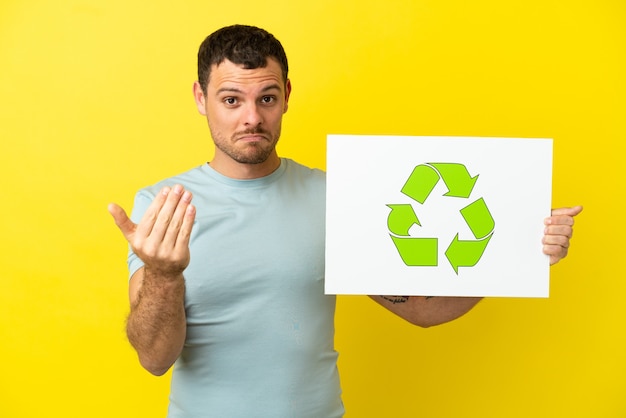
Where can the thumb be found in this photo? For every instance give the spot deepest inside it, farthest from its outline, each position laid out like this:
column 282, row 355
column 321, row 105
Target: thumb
column 573, row 211
column 122, row 220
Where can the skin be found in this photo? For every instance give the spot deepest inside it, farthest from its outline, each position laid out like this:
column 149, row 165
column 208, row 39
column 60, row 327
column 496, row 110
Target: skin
column 244, row 109
column 156, row 325
column 558, row 232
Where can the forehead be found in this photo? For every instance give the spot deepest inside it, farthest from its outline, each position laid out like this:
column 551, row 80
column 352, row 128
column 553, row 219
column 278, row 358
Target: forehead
column 230, row 74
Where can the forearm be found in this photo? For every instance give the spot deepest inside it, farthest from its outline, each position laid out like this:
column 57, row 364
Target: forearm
column 156, row 326
column 427, row 311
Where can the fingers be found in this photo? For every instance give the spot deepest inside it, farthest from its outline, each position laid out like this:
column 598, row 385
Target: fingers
column 556, row 239
column 161, row 239
column 178, row 217
column 556, row 250
column 562, row 221
column 165, row 219
column 558, row 232
column 182, row 241
column 556, row 253
column 149, row 219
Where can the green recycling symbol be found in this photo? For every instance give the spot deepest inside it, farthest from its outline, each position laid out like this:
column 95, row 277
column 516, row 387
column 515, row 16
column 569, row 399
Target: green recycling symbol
column 417, row 251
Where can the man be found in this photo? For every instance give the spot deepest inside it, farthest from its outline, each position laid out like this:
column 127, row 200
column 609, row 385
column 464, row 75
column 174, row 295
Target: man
column 231, row 287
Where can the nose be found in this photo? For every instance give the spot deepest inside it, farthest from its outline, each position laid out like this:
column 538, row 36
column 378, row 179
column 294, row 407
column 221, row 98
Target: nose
column 252, row 115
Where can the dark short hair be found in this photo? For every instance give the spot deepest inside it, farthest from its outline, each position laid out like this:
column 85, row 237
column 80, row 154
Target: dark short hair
column 240, row 44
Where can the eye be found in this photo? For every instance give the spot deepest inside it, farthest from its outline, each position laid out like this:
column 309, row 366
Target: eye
column 231, row 101
column 268, row 99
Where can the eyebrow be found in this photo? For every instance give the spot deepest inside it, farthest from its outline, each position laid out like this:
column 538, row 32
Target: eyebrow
column 236, row 90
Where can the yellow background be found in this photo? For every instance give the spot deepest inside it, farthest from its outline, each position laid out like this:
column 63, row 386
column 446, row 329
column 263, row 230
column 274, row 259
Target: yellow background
column 96, row 102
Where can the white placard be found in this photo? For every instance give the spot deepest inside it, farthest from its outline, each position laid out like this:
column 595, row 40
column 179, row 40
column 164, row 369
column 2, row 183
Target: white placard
column 437, row 216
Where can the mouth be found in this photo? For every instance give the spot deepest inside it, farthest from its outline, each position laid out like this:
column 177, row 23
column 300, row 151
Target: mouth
column 252, row 138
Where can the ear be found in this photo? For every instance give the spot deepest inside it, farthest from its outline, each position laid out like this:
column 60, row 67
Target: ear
column 198, row 96
column 287, row 94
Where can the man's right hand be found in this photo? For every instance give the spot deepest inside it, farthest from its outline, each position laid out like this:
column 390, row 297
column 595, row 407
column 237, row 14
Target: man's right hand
column 156, row 325
column 161, row 239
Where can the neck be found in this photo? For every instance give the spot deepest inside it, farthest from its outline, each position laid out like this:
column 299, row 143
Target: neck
column 242, row 171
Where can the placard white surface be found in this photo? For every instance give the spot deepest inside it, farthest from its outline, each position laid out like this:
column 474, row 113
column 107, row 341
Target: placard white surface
column 374, row 185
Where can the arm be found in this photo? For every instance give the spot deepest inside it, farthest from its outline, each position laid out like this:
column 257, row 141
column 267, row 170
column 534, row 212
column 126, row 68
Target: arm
column 156, row 325
column 429, row 311
column 425, row 311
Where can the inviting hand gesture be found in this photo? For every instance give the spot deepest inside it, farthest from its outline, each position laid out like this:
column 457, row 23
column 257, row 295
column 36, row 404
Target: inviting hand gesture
column 161, row 239
column 156, row 326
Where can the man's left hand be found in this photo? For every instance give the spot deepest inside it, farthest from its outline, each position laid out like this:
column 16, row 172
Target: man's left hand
column 558, row 232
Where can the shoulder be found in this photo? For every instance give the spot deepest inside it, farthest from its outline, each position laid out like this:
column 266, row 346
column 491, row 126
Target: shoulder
column 305, row 184
column 296, row 170
column 188, row 179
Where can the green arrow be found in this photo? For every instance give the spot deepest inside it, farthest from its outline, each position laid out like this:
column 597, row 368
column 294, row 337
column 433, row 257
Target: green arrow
column 417, row 251
column 457, row 179
column 420, row 183
column 478, row 218
column 401, row 219
column 465, row 253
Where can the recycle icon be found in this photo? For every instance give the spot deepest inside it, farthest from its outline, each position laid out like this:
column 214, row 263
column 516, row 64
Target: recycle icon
column 418, row 251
